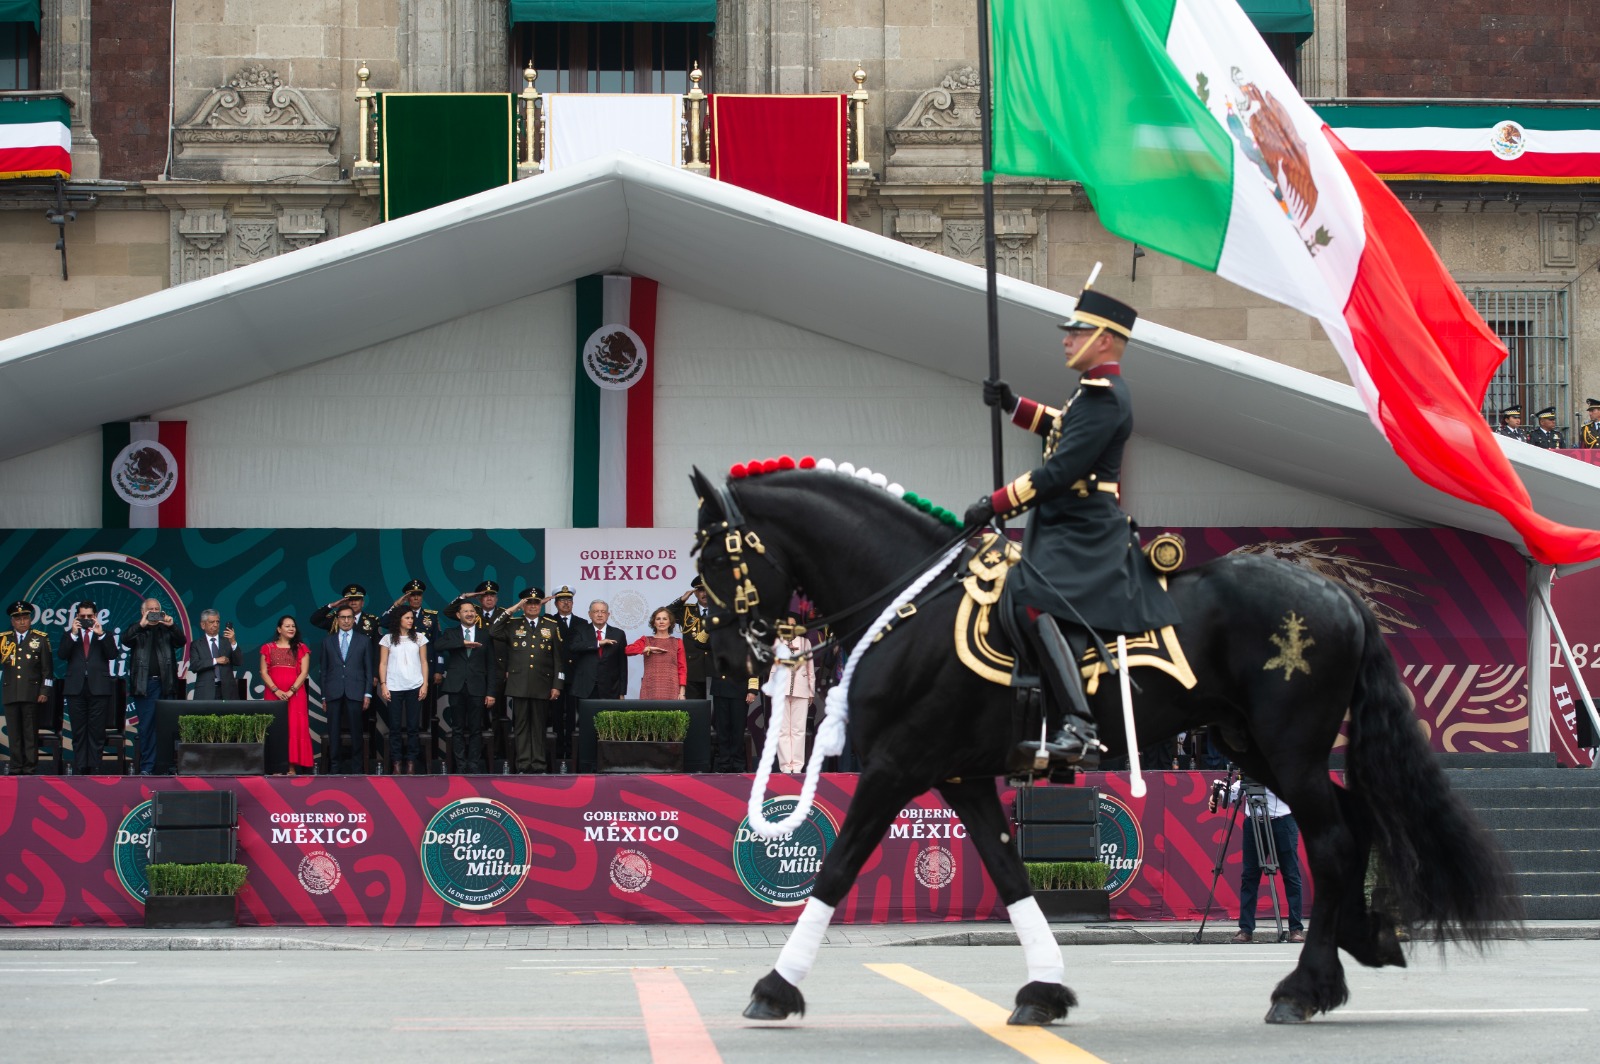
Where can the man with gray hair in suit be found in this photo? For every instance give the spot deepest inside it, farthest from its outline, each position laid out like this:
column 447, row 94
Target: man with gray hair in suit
column 212, row 657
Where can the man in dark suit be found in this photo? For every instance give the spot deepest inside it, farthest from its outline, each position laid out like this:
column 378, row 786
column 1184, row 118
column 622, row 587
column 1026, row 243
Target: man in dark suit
column 470, row 675
column 88, row 649
column 599, row 658
column 347, row 670
column 731, row 697
column 152, row 646
column 565, row 708
column 212, row 657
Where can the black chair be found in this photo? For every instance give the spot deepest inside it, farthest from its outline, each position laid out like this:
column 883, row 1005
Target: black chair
column 116, row 738
column 51, row 722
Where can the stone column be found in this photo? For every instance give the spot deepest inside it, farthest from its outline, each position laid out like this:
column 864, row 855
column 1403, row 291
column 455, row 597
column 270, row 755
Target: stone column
column 1324, row 60
column 454, row 45
column 64, row 67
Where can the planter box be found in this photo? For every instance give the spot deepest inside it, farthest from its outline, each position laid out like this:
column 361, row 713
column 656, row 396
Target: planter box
column 613, row 756
column 222, row 759
column 190, row 910
column 1074, row 905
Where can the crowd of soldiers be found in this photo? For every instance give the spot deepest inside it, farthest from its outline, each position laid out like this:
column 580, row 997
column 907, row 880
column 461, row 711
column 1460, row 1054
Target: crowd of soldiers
column 1544, row 433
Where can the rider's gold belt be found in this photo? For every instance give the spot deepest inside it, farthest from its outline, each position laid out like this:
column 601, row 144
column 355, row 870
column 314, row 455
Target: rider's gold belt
column 1084, row 487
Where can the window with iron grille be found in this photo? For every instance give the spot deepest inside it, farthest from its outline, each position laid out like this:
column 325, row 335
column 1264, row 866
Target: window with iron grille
column 19, row 56
column 1537, row 371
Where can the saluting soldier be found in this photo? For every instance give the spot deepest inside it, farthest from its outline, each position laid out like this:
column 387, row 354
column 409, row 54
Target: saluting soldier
column 1546, row 435
column 534, row 675
column 27, row 672
column 1589, row 435
column 696, row 640
column 1086, row 571
column 326, row 618
column 486, row 596
column 426, row 620
column 1511, row 424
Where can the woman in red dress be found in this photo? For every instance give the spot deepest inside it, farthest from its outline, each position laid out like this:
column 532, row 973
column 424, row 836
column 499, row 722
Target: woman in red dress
column 285, row 663
column 666, row 670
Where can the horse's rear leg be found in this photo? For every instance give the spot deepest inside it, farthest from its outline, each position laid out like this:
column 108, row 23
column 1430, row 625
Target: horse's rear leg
column 877, row 801
column 1044, row 998
column 1365, row 933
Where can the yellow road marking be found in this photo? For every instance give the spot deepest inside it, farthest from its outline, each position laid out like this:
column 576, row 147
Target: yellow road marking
column 1035, row 1043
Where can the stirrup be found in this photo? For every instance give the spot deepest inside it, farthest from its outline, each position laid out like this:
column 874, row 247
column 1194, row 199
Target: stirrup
column 1074, row 744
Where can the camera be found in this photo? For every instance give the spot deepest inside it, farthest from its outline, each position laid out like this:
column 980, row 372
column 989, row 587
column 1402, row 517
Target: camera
column 152, row 616
column 1219, row 795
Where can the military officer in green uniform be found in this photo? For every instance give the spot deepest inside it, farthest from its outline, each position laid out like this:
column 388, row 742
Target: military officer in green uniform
column 534, row 675
column 1511, row 424
column 1545, row 434
column 27, row 672
column 1589, row 435
column 1081, row 567
column 426, row 621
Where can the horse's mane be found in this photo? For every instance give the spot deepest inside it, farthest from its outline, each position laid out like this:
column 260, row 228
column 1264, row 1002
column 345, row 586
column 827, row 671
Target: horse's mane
column 887, row 513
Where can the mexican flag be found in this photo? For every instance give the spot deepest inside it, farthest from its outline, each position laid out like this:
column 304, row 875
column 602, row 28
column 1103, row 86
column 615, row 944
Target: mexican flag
column 1190, row 139
column 144, row 480
column 1446, row 142
column 35, row 138
column 613, row 403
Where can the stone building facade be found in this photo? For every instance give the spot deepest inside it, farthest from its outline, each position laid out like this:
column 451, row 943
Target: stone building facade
column 210, row 134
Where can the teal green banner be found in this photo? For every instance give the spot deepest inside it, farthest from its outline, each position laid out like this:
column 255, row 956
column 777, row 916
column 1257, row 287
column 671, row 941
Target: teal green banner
column 1281, row 16
column 613, row 10
column 26, row 11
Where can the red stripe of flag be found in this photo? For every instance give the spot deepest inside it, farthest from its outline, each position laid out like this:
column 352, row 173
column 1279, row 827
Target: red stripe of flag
column 173, row 511
column 1430, row 357
column 1572, row 166
column 641, row 500
column 33, row 159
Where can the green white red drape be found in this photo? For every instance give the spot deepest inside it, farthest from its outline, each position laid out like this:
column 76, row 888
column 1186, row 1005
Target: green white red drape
column 1444, row 142
column 35, row 138
column 613, row 403
column 1189, row 138
column 144, row 482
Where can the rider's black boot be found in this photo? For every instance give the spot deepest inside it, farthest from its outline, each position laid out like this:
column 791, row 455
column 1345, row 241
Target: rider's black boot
column 1074, row 740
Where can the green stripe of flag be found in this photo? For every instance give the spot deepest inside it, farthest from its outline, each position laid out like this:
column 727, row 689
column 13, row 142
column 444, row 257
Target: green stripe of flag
column 1084, row 90
column 114, row 436
column 586, row 411
column 1365, row 116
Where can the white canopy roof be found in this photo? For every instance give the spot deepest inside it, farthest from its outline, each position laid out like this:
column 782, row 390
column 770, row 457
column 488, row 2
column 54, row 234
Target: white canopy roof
column 726, row 245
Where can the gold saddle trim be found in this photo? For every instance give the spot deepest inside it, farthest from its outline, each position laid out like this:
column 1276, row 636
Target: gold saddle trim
column 986, row 578
column 1157, row 649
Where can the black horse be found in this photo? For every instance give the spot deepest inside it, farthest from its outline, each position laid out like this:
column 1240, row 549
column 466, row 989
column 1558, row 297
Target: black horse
column 920, row 720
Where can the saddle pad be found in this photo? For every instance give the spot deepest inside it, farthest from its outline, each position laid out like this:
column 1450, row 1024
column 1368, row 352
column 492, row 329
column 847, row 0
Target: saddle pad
column 1157, row 649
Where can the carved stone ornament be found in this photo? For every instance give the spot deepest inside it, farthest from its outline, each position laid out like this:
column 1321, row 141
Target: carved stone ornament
column 255, row 128
column 939, row 139
column 223, row 233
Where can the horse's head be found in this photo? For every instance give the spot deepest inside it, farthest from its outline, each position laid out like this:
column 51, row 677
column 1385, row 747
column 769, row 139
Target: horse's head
column 747, row 584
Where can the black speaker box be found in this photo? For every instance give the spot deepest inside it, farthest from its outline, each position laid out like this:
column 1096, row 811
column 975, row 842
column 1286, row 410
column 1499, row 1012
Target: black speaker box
column 1058, row 805
column 192, row 846
column 194, row 809
column 1059, row 842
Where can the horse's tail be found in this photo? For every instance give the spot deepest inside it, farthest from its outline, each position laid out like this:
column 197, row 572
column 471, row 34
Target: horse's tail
column 1445, row 869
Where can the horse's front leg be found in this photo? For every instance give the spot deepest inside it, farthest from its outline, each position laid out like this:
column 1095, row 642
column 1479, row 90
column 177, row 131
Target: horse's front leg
column 878, row 800
column 1044, row 998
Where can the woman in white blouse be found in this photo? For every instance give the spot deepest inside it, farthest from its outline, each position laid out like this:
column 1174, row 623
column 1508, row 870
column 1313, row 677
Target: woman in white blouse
column 403, row 684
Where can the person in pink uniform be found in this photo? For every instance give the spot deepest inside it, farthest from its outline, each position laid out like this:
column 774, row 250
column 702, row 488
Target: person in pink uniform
column 285, row 664
column 666, row 670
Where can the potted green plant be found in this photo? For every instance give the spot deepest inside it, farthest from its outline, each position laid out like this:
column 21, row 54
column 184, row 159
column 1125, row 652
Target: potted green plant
column 1070, row 890
column 193, row 895
column 225, row 744
column 642, row 740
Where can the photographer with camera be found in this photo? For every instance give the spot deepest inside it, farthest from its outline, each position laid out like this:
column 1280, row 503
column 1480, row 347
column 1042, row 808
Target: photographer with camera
column 1272, row 825
column 152, row 647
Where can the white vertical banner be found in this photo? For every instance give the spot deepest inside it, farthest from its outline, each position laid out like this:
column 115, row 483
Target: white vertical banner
column 634, row 570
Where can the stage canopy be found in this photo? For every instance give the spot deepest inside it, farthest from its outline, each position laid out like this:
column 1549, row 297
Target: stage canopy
column 724, row 245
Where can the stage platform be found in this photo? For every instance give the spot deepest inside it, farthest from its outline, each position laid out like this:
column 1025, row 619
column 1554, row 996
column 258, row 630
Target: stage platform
column 426, row 851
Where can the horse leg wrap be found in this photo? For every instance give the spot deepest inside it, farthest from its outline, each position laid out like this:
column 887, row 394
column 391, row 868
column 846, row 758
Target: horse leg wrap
column 800, row 952
column 1039, row 946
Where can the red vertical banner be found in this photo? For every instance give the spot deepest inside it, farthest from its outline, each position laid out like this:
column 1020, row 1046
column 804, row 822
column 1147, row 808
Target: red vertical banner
column 641, row 446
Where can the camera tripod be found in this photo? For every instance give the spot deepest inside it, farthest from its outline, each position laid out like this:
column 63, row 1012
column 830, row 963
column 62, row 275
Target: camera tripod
column 1252, row 798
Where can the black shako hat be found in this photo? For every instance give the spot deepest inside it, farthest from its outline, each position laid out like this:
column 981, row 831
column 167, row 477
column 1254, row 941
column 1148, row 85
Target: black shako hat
column 1096, row 310
column 1515, row 410
column 20, row 608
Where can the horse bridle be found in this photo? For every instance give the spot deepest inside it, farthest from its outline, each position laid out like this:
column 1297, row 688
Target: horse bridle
column 735, row 540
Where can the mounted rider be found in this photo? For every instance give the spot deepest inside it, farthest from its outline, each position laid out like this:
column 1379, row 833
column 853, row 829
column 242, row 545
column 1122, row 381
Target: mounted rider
column 1082, row 567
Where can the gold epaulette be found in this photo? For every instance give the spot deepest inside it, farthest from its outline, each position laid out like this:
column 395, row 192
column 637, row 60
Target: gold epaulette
column 1096, row 382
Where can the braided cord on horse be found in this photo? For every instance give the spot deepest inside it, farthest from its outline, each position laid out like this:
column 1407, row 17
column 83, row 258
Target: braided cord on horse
column 831, row 730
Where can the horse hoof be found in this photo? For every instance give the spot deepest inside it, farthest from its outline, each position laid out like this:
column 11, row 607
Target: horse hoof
column 1030, row 1016
column 1286, row 1011
column 760, row 1009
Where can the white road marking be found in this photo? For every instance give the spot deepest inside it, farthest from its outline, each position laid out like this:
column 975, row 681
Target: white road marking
column 1446, row 1012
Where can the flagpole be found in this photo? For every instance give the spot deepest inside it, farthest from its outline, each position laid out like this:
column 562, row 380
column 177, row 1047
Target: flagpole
column 992, row 297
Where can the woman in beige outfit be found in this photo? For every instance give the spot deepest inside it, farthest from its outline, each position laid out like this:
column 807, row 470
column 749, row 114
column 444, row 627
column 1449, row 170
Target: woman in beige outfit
column 796, row 695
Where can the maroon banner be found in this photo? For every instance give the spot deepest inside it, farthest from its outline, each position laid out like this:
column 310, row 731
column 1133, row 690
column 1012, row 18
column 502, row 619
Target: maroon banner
column 437, row 850
column 426, row 851
column 1576, row 600
column 1589, row 454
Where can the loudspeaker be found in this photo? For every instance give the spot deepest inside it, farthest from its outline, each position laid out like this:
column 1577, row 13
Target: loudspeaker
column 1058, row 805
column 192, row 846
column 194, row 809
column 1059, row 842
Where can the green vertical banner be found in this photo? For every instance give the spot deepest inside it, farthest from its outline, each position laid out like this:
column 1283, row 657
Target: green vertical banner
column 586, row 408
column 435, row 147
